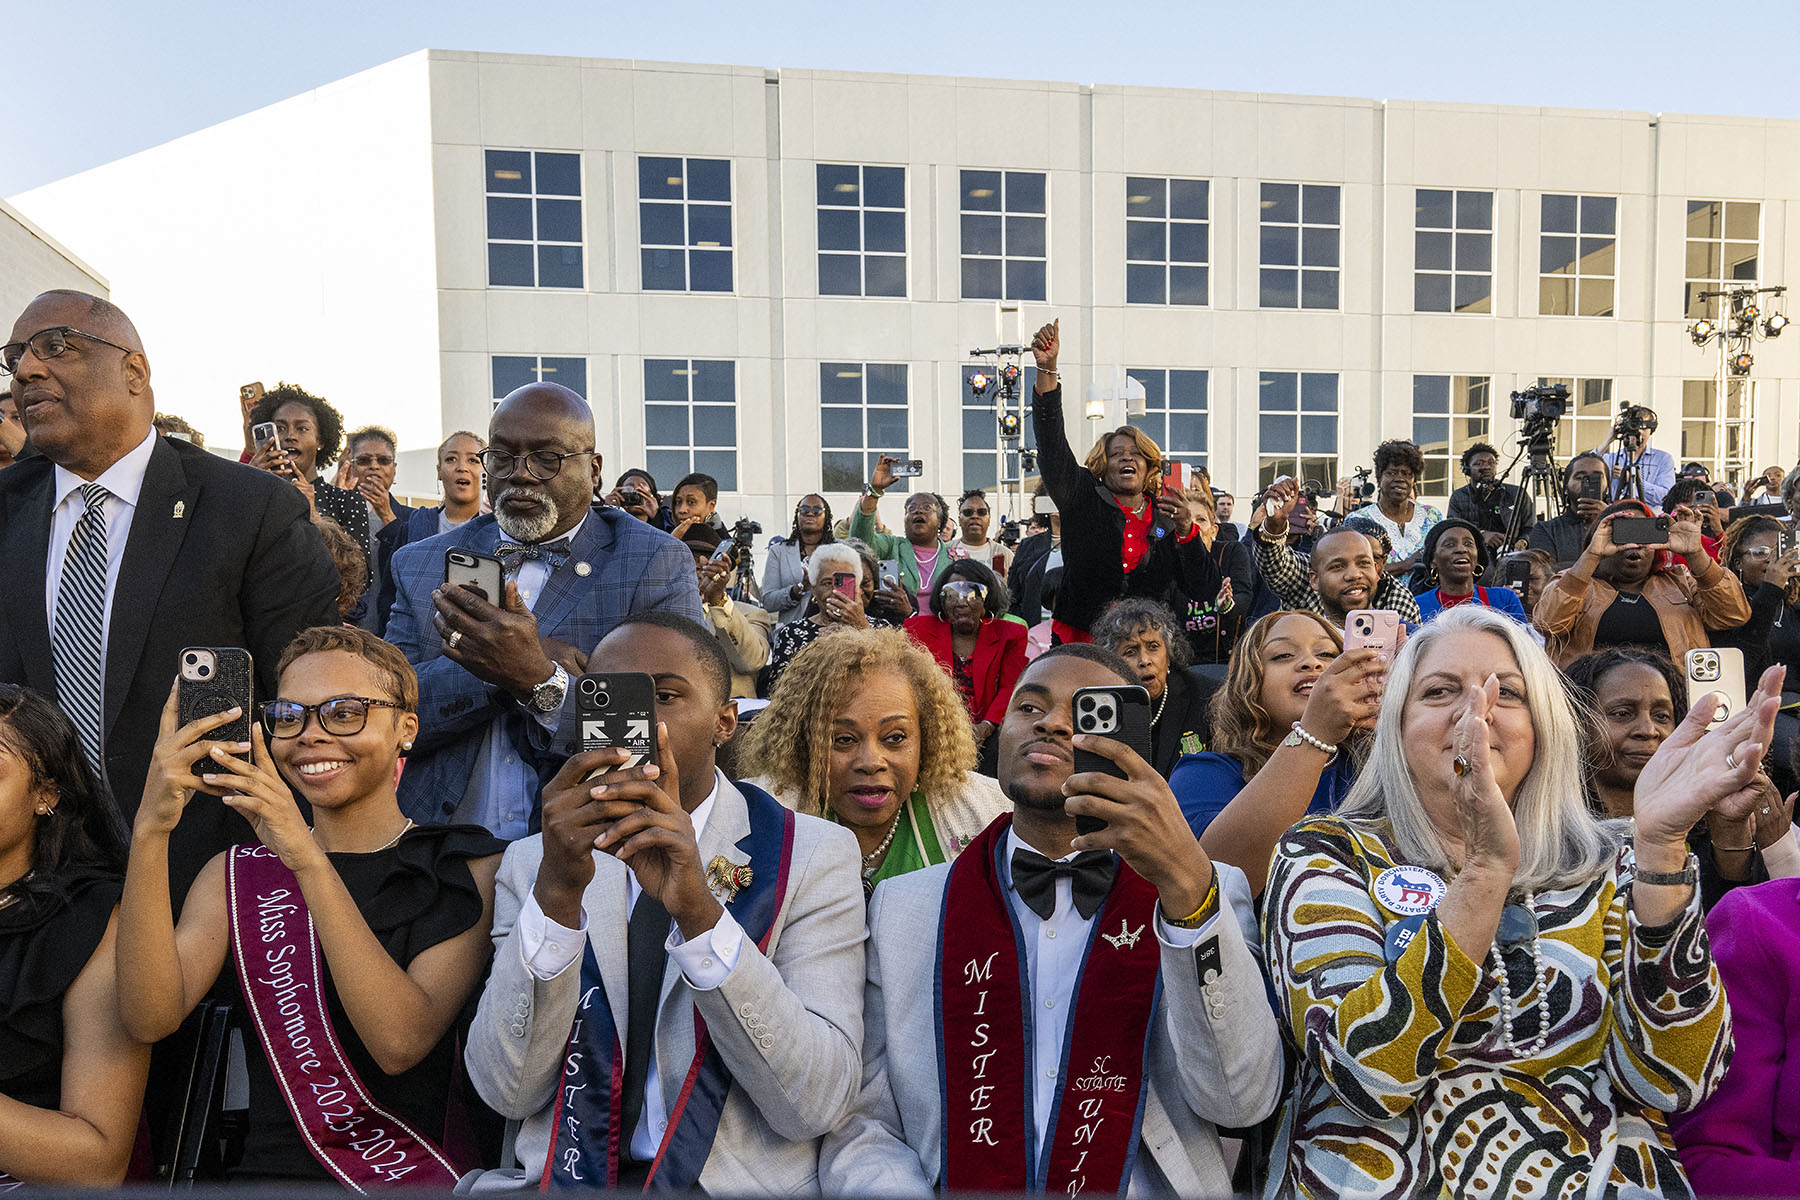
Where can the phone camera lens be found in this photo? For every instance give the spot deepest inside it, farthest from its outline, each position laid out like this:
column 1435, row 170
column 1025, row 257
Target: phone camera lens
column 203, row 672
column 192, row 659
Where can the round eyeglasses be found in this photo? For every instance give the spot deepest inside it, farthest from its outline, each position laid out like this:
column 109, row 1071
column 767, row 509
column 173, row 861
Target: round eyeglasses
column 46, row 344
column 340, row 715
column 541, row 465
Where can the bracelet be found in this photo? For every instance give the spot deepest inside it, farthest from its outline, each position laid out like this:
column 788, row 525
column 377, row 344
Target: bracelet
column 1718, row 849
column 1300, row 735
column 874, row 491
column 1197, row 918
column 1688, row 875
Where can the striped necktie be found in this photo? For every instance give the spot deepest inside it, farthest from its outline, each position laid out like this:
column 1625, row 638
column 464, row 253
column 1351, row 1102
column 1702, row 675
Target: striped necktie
column 80, row 611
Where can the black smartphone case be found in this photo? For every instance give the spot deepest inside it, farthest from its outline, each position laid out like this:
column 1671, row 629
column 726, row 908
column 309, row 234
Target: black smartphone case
column 229, row 685
column 1129, row 715
column 627, row 718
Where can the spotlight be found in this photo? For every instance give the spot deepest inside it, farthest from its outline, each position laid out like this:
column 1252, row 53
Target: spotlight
column 1740, row 363
column 979, row 383
column 1701, row 331
column 1773, row 324
column 1009, row 425
column 1749, row 311
column 1028, row 461
column 1009, row 376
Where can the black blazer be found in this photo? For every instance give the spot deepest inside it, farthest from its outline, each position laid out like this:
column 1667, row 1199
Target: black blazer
column 219, row 554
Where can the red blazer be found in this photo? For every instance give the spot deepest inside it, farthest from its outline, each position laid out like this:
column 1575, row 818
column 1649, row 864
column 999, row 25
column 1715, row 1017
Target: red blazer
column 998, row 662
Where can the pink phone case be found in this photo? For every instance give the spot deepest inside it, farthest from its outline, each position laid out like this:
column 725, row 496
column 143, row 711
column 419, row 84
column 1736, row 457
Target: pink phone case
column 1372, row 629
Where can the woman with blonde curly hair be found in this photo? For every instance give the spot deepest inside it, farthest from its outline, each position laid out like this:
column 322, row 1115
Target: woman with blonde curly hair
column 1285, row 730
column 865, row 729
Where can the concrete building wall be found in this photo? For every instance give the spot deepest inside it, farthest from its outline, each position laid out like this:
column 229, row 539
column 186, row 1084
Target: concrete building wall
column 31, row 261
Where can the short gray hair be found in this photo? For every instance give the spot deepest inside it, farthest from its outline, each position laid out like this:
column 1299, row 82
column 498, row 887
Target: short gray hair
column 833, row 557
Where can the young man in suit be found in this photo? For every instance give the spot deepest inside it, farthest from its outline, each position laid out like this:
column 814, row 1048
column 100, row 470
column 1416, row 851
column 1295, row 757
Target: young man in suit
column 676, row 995
column 123, row 547
column 493, row 672
column 1054, row 1012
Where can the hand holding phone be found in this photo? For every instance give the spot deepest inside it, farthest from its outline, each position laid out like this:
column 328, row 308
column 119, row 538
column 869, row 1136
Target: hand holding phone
column 482, row 574
column 1117, row 711
column 1372, row 629
column 210, row 680
column 910, row 468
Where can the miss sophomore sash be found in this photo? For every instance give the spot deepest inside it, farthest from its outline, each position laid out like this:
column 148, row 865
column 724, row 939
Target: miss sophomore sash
column 985, row 1037
column 364, row 1146
column 587, row 1137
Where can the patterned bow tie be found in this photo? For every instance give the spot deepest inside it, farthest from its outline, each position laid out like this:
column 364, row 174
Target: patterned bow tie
column 512, row 555
column 1034, row 878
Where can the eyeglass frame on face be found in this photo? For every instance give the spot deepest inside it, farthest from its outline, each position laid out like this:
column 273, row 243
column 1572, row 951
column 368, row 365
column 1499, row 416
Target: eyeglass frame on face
column 372, row 460
column 512, row 460
column 9, row 364
column 311, row 712
column 809, row 510
column 965, row 589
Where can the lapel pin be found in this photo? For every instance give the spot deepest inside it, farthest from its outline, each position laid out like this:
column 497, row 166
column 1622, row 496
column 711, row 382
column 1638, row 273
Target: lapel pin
column 180, row 509
column 583, row 570
column 725, row 878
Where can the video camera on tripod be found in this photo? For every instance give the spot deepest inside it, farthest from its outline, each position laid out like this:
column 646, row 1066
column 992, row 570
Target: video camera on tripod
column 1634, row 424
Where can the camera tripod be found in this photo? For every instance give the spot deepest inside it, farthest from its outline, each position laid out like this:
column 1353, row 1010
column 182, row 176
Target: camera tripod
column 1628, row 482
column 1540, row 487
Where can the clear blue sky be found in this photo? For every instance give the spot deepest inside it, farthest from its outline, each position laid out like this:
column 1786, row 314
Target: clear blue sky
column 93, row 82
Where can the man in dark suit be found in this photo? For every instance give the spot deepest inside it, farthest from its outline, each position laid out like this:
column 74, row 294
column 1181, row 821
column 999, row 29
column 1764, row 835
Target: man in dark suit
column 493, row 676
column 123, row 547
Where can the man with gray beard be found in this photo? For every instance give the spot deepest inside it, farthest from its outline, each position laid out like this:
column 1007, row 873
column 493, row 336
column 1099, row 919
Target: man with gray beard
column 492, row 667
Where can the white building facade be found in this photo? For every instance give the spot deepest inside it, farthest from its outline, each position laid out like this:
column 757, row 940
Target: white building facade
column 31, row 261
column 773, row 276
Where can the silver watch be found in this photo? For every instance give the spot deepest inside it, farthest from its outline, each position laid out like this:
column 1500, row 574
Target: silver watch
column 547, row 696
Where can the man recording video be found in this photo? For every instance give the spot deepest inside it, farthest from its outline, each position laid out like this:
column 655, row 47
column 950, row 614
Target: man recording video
column 1488, row 504
column 1655, row 468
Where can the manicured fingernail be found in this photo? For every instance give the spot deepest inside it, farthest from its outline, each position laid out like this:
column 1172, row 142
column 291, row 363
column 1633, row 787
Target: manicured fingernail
column 234, row 710
column 210, row 778
column 598, row 791
column 217, row 752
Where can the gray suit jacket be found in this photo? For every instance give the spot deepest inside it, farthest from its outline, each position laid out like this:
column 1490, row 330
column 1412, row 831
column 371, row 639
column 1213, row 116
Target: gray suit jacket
column 789, row 1025
column 1214, row 1055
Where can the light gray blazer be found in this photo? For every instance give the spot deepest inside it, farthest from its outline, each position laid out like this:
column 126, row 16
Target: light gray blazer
column 1214, row 1054
column 789, row 1025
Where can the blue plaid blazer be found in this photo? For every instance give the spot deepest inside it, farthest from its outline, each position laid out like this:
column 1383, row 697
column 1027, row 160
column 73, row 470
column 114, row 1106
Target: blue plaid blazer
column 633, row 568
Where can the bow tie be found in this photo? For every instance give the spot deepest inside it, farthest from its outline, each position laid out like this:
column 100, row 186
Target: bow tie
column 512, row 555
column 1090, row 872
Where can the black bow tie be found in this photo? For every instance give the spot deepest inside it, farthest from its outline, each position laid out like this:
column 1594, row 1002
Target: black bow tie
column 512, row 555
column 1090, row 873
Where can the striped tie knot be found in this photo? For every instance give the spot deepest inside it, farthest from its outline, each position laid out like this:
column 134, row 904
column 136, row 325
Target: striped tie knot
column 93, row 495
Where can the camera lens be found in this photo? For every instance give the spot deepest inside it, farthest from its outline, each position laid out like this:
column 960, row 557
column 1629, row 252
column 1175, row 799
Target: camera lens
column 192, row 659
column 589, row 686
column 204, row 672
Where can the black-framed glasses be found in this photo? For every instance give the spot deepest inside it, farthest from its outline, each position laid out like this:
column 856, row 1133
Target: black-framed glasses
column 373, row 460
column 48, row 343
column 340, row 715
column 542, row 465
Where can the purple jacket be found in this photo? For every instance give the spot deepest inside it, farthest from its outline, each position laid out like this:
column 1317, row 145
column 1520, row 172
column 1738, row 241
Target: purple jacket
column 1745, row 1139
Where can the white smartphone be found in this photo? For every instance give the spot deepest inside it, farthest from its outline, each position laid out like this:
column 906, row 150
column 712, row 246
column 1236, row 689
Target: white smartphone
column 1720, row 670
column 1372, row 629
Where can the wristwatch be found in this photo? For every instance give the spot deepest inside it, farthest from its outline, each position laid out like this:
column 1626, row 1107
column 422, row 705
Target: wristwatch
column 547, row 696
column 1688, row 875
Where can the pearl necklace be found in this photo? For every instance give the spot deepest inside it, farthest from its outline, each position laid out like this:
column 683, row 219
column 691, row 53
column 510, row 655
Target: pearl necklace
column 872, row 860
column 1508, row 1012
column 1161, row 700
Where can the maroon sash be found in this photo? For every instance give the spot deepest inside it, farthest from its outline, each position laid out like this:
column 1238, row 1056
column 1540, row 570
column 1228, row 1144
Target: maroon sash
column 985, row 1048
column 364, row 1146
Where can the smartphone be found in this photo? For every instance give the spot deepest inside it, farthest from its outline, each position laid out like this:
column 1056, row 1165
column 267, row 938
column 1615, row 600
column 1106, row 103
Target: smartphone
column 1720, row 670
column 724, row 551
column 482, row 574
column 909, row 468
column 1640, row 531
column 212, row 679
column 890, row 572
column 1790, row 537
column 1372, row 629
column 250, row 393
column 846, row 584
column 1044, row 506
column 1518, row 575
column 263, row 434
column 617, row 709
column 1592, row 487
column 1705, row 500
column 1174, row 477
column 1118, row 711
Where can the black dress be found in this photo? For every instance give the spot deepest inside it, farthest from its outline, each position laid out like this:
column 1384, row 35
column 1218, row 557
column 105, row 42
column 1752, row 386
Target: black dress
column 414, row 895
column 45, row 942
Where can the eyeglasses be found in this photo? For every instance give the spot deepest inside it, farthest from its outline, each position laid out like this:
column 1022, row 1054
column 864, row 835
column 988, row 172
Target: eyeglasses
column 974, row 512
column 373, row 460
column 48, row 343
column 966, row 589
column 1757, row 552
column 543, row 465
column 810, row 510
column 341, row 715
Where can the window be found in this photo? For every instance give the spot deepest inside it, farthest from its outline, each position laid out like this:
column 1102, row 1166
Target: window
column 1590, row 417
column 1722, row 238
column 862, row 231
column 862, row 415
column 1300, row 236
column 1576, row 256
column 1453, row 251
column 514, row 371
column 1699, row 428
column 534, row 219
column 1174, row 411
column 690, row 419
column 1450, row 412
column 983, row 465
column 1005, row 246
column 1166, row 240
column 1297, row 427
column 684, row 224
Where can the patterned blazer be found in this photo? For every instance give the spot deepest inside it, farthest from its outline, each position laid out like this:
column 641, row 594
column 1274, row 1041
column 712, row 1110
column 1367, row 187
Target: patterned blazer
column 617, row 566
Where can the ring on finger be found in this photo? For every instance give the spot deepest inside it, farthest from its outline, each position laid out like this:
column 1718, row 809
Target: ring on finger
column 1460, row 765
column 455, row 637
column 1731, row 761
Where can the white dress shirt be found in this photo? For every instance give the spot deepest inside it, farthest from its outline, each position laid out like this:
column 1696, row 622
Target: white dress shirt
column 125, row 480
column 502, row 785
column 1054, row 950
column 549, row 949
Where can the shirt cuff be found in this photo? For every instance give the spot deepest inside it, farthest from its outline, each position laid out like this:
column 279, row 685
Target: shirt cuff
column 547, row 948
column 706, row 961
column 721, row 609
column 1177, row 938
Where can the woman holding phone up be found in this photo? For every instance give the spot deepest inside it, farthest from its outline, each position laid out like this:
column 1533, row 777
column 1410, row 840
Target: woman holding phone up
column 1636, row 594
column 833, row 608
column 350, row 948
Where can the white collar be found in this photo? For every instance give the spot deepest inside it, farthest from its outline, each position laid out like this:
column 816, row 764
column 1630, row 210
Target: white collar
column 124, row 479
column 1015, row 843
column 703, row 812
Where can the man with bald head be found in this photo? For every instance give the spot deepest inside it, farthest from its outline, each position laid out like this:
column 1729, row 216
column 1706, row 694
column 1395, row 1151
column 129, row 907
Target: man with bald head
column 123, row 547
column 494, row 670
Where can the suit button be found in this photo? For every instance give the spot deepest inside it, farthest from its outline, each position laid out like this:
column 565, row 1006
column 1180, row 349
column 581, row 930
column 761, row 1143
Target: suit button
column 745, row 1011
column 767, row 1042
column 1209, row 976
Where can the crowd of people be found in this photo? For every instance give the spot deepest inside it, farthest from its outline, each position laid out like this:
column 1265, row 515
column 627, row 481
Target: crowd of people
column 1368, row 850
